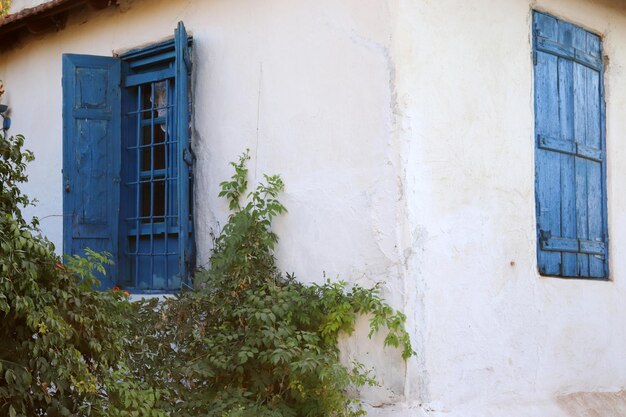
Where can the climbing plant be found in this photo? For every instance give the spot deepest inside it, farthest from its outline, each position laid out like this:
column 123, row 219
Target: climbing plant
column 251, row 341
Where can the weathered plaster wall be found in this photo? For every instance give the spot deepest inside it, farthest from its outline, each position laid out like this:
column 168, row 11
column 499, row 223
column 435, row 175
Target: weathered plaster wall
column 499, row 339
column 404, row 132
column 306, row 86
column 284, row 80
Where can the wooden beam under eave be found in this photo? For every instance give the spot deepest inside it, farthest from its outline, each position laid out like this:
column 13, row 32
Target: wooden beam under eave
column 44, row 19
column 7, row 40
column 100, row 4
column 46, row 24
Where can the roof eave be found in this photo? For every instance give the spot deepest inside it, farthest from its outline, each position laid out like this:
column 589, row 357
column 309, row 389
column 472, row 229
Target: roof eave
column 46, row 17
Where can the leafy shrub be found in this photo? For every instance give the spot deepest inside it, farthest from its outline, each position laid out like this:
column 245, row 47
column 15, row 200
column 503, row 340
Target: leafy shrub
column 250, row 341
column 61, row 340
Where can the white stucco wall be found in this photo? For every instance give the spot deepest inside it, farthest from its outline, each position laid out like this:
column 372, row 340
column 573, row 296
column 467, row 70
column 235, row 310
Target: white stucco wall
column 404, row 132
column 298, row 83
column 498, row 338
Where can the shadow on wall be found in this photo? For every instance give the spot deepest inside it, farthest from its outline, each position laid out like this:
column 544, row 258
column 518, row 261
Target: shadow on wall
column 594, row 404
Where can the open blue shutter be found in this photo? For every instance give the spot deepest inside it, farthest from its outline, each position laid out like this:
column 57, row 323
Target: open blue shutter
column 185, row 158
column 91, row 156
column 570, row 151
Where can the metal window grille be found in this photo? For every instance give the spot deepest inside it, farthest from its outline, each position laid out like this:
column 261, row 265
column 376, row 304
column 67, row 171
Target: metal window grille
column 152, row 223
column 156, row 243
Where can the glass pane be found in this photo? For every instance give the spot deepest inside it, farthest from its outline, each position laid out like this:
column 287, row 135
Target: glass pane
column 158, row 209
column 146, row 152
column 146, row 99
column 159, row 150
column 153, row 201
column 146, row 193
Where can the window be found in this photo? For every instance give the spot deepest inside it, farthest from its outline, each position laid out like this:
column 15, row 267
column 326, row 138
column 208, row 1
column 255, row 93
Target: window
column 128, row 163
column 570, row 151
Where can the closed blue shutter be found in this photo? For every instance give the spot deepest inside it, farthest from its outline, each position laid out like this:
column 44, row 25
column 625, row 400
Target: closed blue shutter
column 570, row 150
column 185, row 158
column 91, row 156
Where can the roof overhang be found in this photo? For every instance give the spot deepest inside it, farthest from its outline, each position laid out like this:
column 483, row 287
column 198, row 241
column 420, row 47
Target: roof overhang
column 46, row 17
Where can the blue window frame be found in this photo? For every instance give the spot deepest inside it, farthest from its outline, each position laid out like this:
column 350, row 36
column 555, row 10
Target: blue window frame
column 128, row 163
column 570, row 150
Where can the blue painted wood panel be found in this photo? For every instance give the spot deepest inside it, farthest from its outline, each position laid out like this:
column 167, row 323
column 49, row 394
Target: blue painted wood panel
column 185, row 156
column 91, row 156
column 570, row 171
column 548, row 164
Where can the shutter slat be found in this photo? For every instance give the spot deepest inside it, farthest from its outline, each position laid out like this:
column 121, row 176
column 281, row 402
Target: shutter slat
column 593, row 140
column 184, row 159
column 548, row 175
column 580, row 131
column 569, row 266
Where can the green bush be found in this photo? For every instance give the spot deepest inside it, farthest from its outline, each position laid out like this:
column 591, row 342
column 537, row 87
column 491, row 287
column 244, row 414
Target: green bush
column 250, row 341
column 61, row 341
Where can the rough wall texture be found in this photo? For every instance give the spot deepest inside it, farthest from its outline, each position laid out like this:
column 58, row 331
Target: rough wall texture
column 404, row 132
column 497, row 336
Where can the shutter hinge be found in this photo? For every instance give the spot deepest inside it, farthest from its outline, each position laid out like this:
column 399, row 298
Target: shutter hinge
column 188, row 156
column 534, row 57
column 544, row 235
column 187, row 59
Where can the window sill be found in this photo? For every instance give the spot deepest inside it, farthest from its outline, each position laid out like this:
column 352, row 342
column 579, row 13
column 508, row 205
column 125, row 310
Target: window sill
column 161, row 296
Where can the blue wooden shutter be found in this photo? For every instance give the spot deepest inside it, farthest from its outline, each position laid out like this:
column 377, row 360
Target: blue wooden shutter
column 185, row 159
column 91, row 156
column 570, row 150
